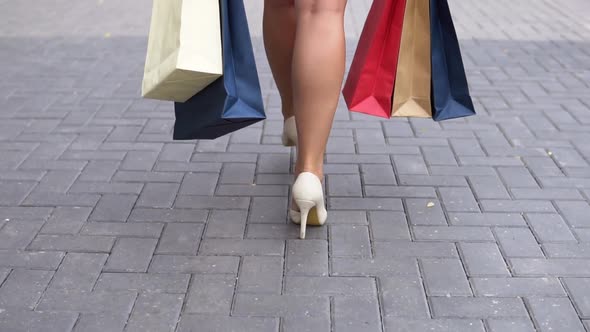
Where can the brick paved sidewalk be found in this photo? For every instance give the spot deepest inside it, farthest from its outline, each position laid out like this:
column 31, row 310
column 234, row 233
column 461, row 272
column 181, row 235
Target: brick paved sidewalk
column 108, row 225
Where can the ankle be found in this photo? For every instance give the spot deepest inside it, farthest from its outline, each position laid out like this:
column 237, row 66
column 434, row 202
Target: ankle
column 318, row 171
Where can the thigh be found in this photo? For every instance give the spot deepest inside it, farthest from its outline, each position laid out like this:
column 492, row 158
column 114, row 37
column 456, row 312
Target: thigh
column 315, row 6
column 279, row 3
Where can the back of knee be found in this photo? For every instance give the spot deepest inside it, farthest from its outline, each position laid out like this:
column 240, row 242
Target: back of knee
column 320, row 7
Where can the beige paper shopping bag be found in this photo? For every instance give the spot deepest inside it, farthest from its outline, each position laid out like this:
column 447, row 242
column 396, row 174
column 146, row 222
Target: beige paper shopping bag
column 411, row 96
column 184, row 49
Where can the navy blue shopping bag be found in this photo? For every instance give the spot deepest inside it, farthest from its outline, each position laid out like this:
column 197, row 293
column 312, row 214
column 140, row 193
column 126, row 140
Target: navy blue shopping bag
column 450, row 92
column 233, row 101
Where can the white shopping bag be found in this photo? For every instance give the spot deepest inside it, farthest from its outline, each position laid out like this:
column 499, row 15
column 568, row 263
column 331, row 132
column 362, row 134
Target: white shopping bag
column 184, row 49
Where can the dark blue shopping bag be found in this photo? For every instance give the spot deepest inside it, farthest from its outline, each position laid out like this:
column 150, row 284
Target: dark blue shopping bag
column 233, row 101
column 450, row 92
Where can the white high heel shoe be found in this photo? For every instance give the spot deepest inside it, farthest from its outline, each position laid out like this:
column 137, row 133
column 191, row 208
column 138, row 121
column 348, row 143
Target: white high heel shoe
column 289, row 137
column 308, row 194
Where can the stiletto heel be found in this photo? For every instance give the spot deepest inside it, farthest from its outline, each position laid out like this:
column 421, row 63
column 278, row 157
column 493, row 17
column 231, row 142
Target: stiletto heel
column 304, row 208
column 308, row 194
column 289, row 137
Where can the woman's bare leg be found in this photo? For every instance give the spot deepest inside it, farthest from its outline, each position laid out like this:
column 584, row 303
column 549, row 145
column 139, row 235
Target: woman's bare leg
column 317, row 73
column 279, row 38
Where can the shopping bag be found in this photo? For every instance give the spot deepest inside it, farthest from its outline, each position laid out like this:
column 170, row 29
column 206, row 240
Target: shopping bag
column 371, row 77
column 450, row 91
column 234, row 100
column 184, row 49
column 411, row 97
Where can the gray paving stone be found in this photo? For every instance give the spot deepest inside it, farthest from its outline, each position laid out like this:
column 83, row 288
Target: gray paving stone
column 123, row 229
column 158, row 195
column 119, row 302
column 251, row 279
column 199, row 184
column 403, row 297
column 273, row 163
column 168, row 215
column 180, row 238
column 210, row 322
column 211, row 294
column 152, row 282
column 518, row 242
column 209, row 202
column 517, row 177
column 30, row 260
column 567, row 250
column 488, row 187
column 237, row 173
column 17, row 234
column 432, row 180
column 344, row 185
column 106, row 188
column 352, row 217
column 401, row 248
column 542, row 166
column 378, row 174
column 517, row 206
column 56, row 199
column 35, row 321
column 349, row 240
column 13, row 193
column 386, row 266
column 329, row 286
column 194, row 264
column 550, row 228
column 98, row 322
column 578, row 290
column 399, row 192
column 26, row 213
column 131, row 255
column 425, row 212
column 482, row 259
column 486, row 219
column 139, row 176
column 452, row 233
column 562, row 267
column 268, row 210
column 457, row 199
column 444, row 277
column 513, row 325
column 270, row 305
column 409, row 165
column 114, row 208
column 23, row 288
column 155, row 312
column 513, row 287
column 356, row 313
column 139, row 160
column 386, row 226
column 241, row 247
column 78, row 271
column 550, row 314
column 395, row 324
column 252, row 190
column 176, row 152
column 308, row 258
column 575, row 213
column 99, row 170
column 57, row 181
column 72, row 243
column 477, row 307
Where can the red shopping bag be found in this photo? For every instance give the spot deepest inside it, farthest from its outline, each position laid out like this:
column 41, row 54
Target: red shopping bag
column 370, row 82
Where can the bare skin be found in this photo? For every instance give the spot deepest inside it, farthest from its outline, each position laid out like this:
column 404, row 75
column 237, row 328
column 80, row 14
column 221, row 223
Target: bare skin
column 305, row 46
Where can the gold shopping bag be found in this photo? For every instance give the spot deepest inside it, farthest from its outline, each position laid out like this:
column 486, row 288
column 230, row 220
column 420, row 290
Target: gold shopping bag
column 184, row 49
column 411, row 96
